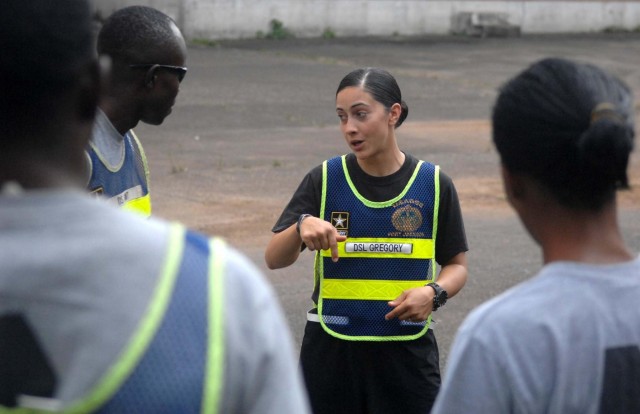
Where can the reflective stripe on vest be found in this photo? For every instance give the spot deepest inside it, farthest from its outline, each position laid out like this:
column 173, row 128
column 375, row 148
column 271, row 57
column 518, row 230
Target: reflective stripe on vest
column 390, row 248
column 126, row 185
column 175, row 360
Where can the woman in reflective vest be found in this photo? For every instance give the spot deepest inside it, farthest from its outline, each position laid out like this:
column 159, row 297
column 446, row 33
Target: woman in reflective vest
column 378, row 219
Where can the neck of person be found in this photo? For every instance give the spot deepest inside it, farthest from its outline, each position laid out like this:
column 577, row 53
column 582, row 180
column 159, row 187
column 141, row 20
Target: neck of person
column 383, row 164
column 592, row 237
column 122, row 116
column 41, row 174
column 60, row 163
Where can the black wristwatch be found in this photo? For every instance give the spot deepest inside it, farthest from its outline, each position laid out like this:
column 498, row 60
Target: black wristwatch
column 441, row 295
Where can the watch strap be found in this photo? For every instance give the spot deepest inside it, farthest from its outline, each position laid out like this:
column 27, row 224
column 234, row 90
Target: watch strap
column 300, row 219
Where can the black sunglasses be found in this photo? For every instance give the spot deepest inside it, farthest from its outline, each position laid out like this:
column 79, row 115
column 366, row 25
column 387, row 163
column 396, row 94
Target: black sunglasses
column 180, row 71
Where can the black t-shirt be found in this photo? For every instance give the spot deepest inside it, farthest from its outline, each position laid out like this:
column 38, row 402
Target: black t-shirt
column 451, row 238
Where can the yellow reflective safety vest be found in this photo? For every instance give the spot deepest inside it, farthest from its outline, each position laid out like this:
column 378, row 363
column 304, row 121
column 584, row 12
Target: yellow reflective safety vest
column 390, row 248
column 174, row 363
column 128, row 184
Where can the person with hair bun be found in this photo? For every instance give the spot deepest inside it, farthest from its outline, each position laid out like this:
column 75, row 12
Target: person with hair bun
column 567, row 340
column 378, row 220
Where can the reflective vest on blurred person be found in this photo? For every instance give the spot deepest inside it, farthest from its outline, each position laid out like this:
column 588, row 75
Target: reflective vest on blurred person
column 159, row 371
column 127, row 184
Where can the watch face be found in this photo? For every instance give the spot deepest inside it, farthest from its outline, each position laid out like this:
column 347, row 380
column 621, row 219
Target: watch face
column 441, row 295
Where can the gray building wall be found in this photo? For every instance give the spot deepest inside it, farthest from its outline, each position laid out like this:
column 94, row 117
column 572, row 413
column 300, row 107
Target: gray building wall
column 217, row 19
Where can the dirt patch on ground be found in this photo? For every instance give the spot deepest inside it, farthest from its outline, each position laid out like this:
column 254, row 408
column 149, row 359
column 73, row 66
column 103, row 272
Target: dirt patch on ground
column 241, row 197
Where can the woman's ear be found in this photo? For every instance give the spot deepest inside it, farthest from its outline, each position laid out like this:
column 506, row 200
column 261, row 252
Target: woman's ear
column 394, row 114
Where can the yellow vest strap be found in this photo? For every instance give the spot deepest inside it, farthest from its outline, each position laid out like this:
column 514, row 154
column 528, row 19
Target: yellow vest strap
column 365, row 289
column 140, row 205
column 214, row 377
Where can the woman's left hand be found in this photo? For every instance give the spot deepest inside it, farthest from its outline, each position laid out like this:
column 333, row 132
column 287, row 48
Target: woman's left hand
column 417, row 304
column 412, row 305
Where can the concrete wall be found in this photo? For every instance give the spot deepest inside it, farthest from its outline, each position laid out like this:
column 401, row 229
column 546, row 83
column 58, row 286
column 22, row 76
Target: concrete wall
column 216, row 19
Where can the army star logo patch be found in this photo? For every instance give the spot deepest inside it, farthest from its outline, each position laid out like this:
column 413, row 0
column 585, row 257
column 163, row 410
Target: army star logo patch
column 340, row 220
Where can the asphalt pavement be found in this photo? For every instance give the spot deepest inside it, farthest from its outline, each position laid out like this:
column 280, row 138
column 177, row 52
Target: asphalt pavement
column 253, row 116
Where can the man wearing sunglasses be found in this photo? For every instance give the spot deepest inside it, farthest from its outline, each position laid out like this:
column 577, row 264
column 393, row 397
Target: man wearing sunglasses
column 148, row 56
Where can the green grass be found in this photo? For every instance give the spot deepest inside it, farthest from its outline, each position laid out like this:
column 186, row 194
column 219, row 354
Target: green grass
column 204, row 42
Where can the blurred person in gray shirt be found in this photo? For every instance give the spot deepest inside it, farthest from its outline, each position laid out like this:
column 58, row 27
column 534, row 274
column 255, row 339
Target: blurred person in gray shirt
column 102, row 310
column 568, row 339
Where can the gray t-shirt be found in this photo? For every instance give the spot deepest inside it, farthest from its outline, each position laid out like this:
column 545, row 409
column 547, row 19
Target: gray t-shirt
column 565, row 341
column 82, row 274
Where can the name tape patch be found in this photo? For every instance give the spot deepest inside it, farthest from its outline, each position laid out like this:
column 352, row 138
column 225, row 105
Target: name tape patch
column 127, row 195
column 400, row 248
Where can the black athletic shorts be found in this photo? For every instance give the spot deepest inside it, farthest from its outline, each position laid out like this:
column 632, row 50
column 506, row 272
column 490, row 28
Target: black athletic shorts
column 366, row 377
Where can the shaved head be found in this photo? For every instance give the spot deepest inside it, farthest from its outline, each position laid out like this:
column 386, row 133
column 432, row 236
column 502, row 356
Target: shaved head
column 137, row 34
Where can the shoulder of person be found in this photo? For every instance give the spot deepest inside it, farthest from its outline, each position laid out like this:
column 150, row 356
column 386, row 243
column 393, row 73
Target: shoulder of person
column 445, row 179
column 315, row 171
column 515, row 310
column 243, row 276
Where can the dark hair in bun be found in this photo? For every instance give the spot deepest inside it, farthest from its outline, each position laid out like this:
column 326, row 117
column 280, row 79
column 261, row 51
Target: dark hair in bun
column 569, row 126
column 381, row 85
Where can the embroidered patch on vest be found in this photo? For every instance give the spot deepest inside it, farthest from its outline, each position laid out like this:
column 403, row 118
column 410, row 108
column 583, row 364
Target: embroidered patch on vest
column 406, row 219
column 340, row 220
